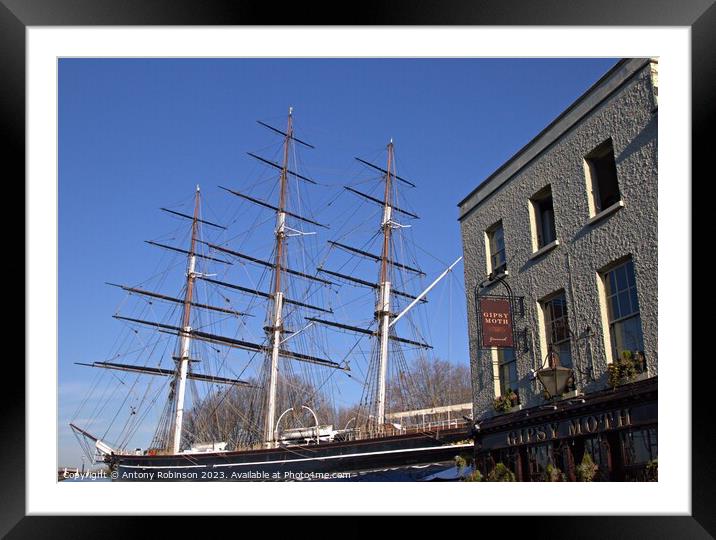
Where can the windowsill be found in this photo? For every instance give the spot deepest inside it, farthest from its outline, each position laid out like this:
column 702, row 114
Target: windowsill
column 606, row 212
column 571, row 395
column 638, row 377
column 544, row 249
column 511, row 410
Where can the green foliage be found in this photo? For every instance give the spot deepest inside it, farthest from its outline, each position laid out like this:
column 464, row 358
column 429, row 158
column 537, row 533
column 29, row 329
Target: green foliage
column 587, row 470
column 474, row 476
column 462, row 461
column 506, row 401
column 625, row 368
column 553, row 474
column 501, row 474
column 502, row 404
column 652, row 471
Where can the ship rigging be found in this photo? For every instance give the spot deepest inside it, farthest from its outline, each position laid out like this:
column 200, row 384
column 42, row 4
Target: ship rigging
column 272, row 400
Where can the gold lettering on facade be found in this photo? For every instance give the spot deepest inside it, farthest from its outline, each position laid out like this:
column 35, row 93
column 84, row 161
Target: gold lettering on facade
column 574, row 427
column 530, row 433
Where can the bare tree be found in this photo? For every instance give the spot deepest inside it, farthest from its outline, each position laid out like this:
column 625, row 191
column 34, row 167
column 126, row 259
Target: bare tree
column 347, row 417
column 235, row 414
column 430, row 383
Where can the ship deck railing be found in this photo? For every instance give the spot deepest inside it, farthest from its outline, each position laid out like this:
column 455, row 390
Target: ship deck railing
column 391, row 430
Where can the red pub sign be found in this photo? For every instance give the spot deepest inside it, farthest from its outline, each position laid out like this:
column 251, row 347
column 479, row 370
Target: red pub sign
column 496, row 322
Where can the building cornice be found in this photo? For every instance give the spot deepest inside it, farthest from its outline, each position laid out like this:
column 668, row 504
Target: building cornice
column 609, row 397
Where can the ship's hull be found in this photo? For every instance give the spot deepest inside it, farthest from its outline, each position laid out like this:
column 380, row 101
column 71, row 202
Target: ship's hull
column 330, row 461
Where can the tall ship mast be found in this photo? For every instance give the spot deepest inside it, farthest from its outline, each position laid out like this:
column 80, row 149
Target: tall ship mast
column 262, row 411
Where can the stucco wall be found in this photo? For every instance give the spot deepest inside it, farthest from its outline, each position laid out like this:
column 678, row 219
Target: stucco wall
column 629, row 117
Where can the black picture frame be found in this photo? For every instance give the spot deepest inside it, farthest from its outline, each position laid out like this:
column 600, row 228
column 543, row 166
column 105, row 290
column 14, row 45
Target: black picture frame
column 17, row 15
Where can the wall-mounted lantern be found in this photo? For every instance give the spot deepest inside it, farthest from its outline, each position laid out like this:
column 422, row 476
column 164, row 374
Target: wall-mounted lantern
column 554, row 378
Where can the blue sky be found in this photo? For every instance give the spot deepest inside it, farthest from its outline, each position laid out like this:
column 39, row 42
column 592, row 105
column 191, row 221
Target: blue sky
column 139, row 134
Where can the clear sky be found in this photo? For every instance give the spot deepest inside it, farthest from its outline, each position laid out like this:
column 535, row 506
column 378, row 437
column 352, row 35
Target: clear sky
column 139, row 134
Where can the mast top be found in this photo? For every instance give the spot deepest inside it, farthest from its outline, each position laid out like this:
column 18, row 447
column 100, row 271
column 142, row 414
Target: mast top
column 290, row 111
column 197, row 188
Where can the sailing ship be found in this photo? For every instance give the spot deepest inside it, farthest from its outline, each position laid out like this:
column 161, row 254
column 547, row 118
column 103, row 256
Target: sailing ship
column 260, row 420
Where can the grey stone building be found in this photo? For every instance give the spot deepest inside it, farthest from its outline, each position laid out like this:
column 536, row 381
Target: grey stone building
column 567, row 230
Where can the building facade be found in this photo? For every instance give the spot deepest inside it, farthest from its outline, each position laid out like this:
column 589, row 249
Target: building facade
column 566, row 233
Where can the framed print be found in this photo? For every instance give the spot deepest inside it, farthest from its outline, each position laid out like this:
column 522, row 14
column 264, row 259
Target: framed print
column 95, row 96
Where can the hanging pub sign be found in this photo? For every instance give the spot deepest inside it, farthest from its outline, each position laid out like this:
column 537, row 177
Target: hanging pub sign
column 496, row 321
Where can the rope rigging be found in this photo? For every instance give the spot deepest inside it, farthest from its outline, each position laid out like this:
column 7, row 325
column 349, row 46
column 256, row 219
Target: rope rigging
column 279, row 254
